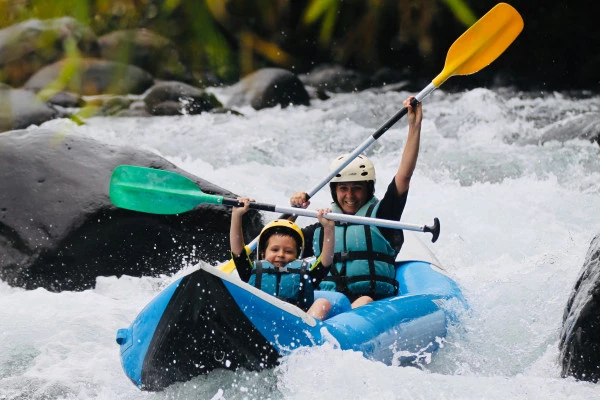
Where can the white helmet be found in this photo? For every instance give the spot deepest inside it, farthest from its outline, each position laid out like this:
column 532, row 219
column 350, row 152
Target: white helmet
column 359, row 169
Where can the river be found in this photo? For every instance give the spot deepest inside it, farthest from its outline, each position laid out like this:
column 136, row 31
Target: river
column 517, row 218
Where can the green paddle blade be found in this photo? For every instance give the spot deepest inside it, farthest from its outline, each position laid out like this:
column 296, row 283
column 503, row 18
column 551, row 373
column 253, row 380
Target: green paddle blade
column 156, row 191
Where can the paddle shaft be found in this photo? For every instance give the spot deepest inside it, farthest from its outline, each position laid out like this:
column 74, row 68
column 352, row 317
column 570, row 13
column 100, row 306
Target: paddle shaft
column 358, row 150
column 354, row 219
column 371, row 139
column 164, row 192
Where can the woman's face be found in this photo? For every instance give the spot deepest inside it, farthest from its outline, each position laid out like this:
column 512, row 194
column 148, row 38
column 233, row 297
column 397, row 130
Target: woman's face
column 351, row 196
column 281, row 250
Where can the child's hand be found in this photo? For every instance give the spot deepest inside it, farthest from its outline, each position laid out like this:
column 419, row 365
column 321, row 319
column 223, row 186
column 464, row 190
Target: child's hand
column 239, row 211
column 322, row 216
column 328, row 239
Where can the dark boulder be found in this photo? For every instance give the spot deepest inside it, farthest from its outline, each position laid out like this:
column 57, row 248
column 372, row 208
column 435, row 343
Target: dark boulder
column 92, row 77
column 135, row 109
column 59, row 230
column 388, row 76
column 65, row 100
column 580, row 335
column 109, row 104
column 30, row 45
column 147, row 50
column 336, row 79
column 585, row 126
column 177, row 98
column 268, row 87
column 20, row 109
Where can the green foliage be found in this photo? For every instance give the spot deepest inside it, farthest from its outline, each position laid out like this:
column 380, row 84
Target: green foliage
column 215, row 53
column 325, row 10
column 67, row 74
column 233, row 37
column 461, row 11
column 77, row 9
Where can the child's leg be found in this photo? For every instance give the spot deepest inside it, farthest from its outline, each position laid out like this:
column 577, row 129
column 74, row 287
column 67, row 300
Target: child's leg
column 320, row 308
column 361, row 301
column 339, row 302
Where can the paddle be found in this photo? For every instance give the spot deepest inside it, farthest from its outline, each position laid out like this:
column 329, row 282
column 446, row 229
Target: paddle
column 475, row 49
column 163, row 192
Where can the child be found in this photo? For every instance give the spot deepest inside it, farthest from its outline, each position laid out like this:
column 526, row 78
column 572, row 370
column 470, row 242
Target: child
column 278, row 270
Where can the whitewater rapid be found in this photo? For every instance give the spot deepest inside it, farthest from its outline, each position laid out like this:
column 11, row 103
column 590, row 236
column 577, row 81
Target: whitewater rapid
column 517, row 218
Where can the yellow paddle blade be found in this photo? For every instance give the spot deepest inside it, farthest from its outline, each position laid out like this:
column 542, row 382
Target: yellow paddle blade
column 229, row 266
column 482, row 43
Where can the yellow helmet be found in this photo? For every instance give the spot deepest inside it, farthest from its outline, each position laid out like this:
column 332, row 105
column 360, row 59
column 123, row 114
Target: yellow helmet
column 359, row 169
column 283, row 226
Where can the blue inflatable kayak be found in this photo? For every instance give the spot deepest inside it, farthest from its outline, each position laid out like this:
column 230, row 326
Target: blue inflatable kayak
column 209, row 319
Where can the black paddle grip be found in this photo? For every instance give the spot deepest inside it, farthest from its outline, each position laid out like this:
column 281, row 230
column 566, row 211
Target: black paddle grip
column 435, row 229
column 390, row 122
column 254, row 206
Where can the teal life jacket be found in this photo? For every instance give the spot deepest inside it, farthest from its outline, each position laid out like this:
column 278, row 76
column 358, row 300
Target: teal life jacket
column 363, row 261
column 291, row 283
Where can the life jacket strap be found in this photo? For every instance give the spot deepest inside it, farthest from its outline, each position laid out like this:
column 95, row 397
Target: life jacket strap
column 305, row 279
column 363, row 255
column 258, row 271
column 342, row 283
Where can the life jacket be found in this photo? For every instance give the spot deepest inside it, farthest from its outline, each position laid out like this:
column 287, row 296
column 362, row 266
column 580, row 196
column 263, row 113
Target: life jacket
column 363, row 261
column 291, row 283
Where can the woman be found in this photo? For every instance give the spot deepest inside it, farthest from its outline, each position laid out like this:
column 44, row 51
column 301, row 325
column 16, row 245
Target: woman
column 364, row 267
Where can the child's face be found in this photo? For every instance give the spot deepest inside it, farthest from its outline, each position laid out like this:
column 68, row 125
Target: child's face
column 281, row 250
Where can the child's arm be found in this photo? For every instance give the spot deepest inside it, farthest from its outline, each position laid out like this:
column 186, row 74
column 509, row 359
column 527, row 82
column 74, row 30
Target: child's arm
column 328, row 238
column 236, row 233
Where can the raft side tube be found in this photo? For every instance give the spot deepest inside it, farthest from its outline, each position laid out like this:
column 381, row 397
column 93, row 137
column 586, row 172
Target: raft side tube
column 202, row 329
column 379, row 329
column 135, row 340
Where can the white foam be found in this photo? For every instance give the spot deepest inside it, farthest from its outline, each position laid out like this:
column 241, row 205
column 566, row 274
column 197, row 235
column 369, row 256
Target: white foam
column 516, row 222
